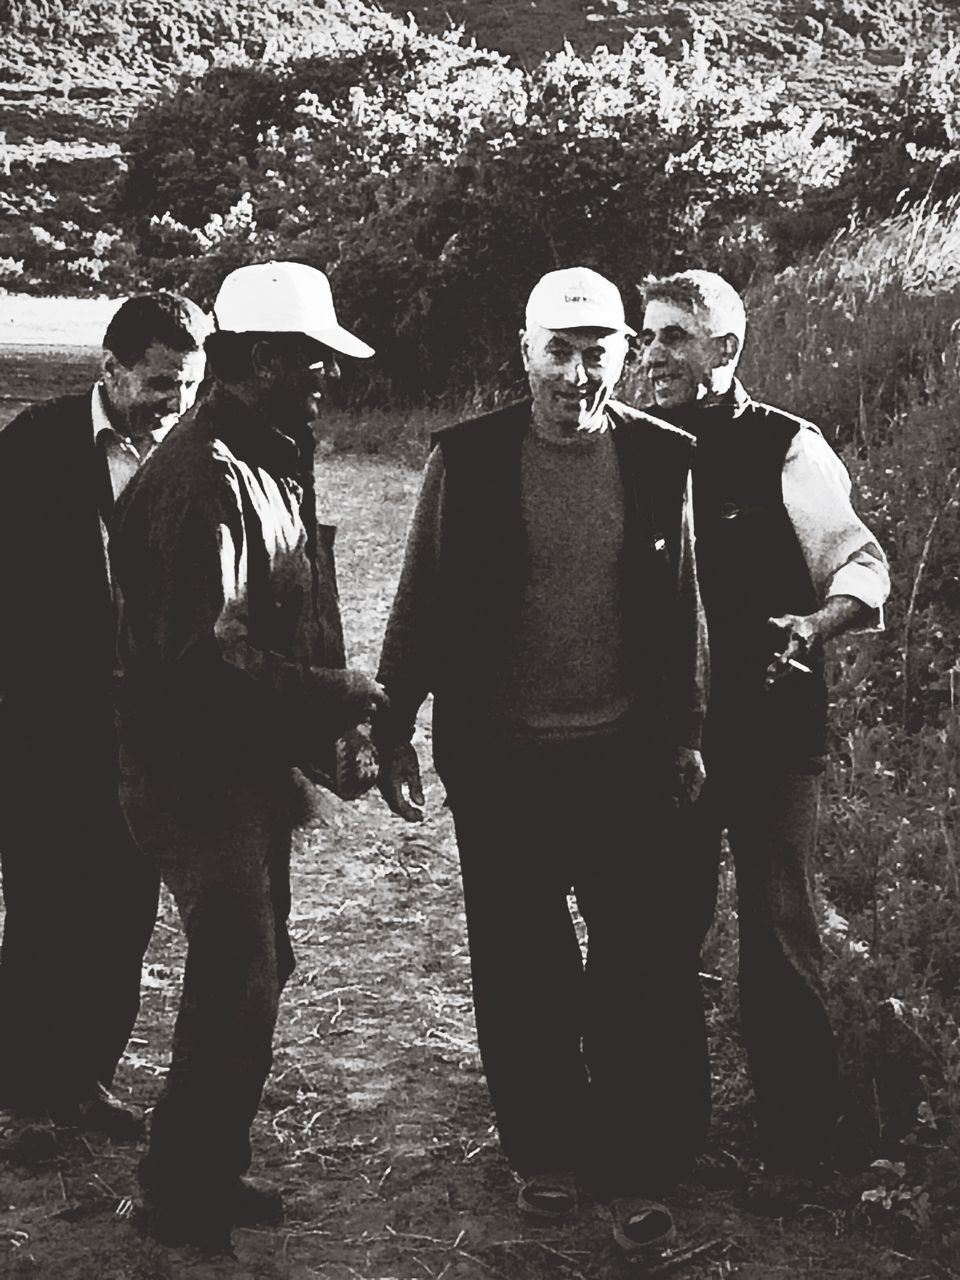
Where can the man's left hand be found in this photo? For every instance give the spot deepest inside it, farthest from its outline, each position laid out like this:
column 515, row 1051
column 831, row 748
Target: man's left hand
column 800, row 636
column 689, row 775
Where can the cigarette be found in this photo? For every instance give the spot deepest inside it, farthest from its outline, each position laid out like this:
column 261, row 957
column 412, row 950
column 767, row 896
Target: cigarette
column 799, row 666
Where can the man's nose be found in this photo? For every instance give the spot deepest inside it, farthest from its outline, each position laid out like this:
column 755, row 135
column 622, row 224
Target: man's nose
column 651, row 354
column 577, row 373
column 331, row 369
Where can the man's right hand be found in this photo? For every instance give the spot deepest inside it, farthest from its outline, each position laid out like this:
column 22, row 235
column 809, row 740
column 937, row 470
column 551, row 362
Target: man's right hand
column 399, row 769
column 344, row 699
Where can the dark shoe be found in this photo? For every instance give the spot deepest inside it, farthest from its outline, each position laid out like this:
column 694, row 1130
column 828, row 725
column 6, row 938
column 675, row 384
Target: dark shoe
column 717, row 1171
column 642, row 1228
column 783, row 1193
column 255, row 1204
column 177, row 1228
column 26, row 1138
column 103, row 1113
column 549, row 1197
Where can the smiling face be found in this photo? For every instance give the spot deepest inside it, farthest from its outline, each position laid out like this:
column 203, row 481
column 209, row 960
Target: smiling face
column 151, row 394
column 572, row 374
column 681, row 358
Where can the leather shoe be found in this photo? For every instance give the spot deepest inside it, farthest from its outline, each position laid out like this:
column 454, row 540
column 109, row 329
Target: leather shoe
column 26, row 1138
column 178, row 1228
column 780, row 1193
column 103, row 1113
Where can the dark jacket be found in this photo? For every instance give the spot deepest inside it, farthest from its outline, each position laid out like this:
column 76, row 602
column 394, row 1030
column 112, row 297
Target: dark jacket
column 57, row 645
column 451, row 616
column 229, row 606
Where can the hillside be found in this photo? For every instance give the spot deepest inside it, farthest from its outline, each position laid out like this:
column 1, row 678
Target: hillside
column 55, row 52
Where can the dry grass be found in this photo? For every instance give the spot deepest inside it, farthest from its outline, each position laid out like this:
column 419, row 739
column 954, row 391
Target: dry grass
column 375, row 1120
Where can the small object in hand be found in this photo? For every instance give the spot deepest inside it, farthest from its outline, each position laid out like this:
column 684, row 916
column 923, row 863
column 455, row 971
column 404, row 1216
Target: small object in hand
column 351, row 767
column 799, row 666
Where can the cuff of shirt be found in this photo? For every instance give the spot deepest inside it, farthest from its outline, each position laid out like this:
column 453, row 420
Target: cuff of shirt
column 862, row 584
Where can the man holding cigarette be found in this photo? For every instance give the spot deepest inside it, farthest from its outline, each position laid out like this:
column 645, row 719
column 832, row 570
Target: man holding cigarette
column 785, row 565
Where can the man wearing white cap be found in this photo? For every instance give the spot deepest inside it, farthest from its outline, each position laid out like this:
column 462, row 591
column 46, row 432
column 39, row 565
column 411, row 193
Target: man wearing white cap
column 549, row 600
column 233, row 656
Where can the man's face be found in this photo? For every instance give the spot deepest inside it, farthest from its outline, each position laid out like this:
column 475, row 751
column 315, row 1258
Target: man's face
column 292, row 377
column 153, row 393
column 679, row 356
column 572, row 373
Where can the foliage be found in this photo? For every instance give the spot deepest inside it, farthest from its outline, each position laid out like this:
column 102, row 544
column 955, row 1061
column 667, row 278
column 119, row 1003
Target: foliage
column 872, row 22
column 437, row 182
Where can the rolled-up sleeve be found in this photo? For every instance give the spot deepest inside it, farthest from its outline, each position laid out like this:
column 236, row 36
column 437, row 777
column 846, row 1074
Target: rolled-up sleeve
column 842, row 555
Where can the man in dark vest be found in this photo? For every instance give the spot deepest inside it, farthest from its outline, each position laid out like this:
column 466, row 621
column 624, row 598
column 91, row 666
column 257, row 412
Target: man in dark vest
column 785, row 565
column 80, row 900
column 549, row 601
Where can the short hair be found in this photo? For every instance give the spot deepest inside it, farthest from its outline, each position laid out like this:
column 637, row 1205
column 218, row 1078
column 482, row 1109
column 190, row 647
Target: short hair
column 704, row 293
column 167, row 319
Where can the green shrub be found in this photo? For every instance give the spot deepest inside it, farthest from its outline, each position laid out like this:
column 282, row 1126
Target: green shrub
column 437, row 182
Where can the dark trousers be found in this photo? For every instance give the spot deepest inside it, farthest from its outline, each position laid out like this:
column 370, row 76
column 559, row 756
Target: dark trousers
column 599, row 1067
column 230, row 878
column 771, row 822
column 80, row 903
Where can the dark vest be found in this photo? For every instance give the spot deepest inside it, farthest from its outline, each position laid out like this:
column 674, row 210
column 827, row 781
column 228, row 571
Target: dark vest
column 751, row 568
column 483, row 559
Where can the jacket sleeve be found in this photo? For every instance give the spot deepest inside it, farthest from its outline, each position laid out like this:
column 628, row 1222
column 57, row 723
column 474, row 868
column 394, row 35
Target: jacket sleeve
column 411, row 634
column 688, row 656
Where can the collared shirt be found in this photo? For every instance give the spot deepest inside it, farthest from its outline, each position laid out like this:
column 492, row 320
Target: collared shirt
column 123, row 456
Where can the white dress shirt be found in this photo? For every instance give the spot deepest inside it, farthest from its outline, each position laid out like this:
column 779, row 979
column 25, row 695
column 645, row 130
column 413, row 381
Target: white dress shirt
column 123, row 456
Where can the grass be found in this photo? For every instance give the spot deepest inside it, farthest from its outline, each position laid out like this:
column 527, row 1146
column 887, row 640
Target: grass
column 375, row 1120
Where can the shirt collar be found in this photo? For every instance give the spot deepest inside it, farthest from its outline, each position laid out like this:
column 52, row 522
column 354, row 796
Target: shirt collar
column 98, row 412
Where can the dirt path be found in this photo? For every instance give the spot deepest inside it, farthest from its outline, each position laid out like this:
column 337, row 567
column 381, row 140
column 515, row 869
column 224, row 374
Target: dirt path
column 375, row 1121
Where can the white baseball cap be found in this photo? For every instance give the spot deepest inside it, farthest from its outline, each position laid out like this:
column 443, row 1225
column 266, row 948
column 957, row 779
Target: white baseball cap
column 576, row 298
column 283, row 297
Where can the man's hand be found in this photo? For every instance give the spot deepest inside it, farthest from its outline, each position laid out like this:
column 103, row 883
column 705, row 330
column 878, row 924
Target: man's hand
column 800, row 636
column 399, row 769
column 805, row 635
column 689, row 775
column 344, row 699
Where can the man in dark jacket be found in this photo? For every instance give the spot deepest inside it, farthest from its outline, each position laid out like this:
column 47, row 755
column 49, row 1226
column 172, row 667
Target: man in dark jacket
column 549, row 600
column 785, row 564
column 233, row 676
column 80, row 900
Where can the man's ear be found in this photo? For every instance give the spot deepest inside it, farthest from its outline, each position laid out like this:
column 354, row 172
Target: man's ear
column 108, row 366
column 261, row 358
column 524, row 349
column 730, row 349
